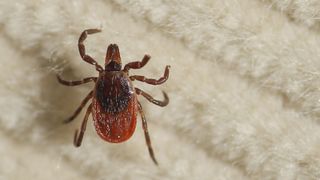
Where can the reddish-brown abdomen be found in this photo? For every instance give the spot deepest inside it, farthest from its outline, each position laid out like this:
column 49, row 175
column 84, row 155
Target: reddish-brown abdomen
column 114, row 107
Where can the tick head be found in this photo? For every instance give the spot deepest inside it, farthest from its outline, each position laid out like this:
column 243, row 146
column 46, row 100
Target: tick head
column 113, row 59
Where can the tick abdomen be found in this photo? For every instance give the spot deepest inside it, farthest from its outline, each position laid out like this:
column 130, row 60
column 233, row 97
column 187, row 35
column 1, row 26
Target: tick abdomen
column 113, row 91
column 117, row 127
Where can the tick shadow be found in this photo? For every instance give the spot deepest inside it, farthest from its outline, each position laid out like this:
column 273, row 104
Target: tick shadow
column 60, row 103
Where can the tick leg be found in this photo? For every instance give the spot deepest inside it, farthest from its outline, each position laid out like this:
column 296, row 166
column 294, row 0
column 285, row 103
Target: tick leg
column 154, row 101
column 82, row 49
column 146, row 133
column 78, row 138
column 75, row 83
column 83, row 103
column 152, row 81
column 137, row 64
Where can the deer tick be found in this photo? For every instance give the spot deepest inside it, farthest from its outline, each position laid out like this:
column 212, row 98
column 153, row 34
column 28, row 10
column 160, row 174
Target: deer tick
column 114, row 104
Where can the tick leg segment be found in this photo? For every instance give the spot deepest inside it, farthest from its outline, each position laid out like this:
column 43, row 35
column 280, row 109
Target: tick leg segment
column 78, row 110
column 75, row 83
column 82, row 49
column 152, row 81
column 78, row 138
column 151, row 99
column 137, row 64
column 146, row 133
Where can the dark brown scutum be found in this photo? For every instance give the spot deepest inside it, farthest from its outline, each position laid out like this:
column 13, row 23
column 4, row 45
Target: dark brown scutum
column 114, row 92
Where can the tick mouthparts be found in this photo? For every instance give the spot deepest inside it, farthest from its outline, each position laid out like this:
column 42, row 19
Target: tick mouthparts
column 113, row 54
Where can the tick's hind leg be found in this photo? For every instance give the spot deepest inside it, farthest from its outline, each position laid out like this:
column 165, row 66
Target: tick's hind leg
column 75, row 83
column 151, row 99
column 78, row 138
column 152, row 81
column 82, row 49
column 78, row 110
column 146, row 133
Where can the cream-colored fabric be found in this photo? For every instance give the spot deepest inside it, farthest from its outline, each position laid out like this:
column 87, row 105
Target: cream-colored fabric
column 244, row 88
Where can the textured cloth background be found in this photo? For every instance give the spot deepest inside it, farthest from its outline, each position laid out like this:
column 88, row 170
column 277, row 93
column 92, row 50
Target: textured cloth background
column 244, row 88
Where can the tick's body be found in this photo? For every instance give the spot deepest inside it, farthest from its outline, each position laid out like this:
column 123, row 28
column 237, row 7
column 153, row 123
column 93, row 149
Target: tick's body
column 114, row 105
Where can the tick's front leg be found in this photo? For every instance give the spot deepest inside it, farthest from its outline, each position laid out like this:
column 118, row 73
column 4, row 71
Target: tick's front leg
column 82, row 49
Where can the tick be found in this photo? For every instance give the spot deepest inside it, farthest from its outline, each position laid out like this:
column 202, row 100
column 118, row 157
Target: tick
column 114, row 105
